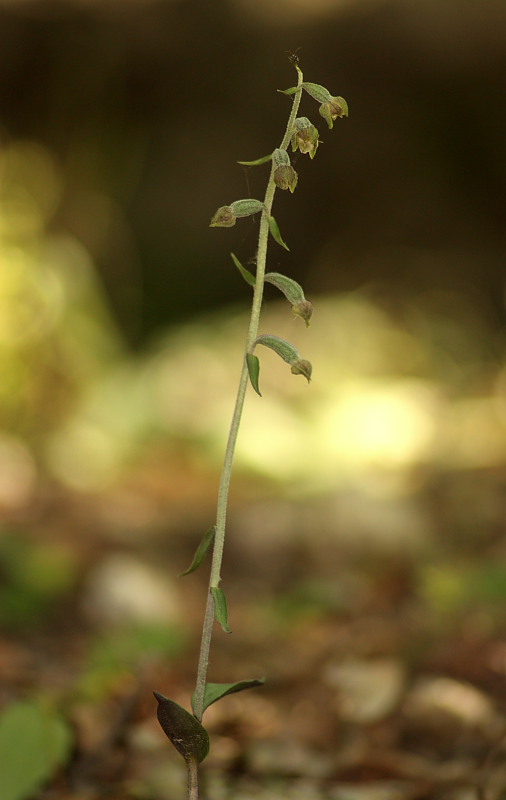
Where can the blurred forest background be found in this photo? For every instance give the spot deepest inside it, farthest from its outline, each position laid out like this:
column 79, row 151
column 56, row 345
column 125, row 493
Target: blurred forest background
column 365, row 566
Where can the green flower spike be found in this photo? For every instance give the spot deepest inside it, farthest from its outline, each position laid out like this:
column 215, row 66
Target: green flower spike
column 305, row 137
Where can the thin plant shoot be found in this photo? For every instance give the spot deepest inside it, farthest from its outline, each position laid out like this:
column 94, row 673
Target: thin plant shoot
column 184, row 728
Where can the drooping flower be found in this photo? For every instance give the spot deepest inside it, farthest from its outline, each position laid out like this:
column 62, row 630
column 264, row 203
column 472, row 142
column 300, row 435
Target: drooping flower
column 285, row 177
column 223, row 218
column 332, row 109
column 305, row 136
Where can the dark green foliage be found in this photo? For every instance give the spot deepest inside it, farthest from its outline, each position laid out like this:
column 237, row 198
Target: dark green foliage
column 186, row 733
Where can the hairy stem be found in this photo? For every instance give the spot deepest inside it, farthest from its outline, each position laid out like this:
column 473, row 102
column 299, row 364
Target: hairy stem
column 221, row 511
column 193, row 780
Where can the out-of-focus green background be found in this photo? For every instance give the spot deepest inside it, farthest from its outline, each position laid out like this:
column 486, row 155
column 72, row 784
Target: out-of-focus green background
column 378, row 490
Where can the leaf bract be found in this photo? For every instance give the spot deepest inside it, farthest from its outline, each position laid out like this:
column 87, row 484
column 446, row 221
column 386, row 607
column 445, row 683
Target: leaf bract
column 215, row 691
column 220, row 607
column 253, row 364
column 201, row 551
column 246, row 274
column 274, row 229
column 257, row 161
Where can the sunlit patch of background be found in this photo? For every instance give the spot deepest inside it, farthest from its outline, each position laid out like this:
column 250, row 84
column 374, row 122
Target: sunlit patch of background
column 391, row 392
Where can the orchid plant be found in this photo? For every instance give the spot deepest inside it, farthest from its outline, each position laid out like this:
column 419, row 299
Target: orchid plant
column 185, row 729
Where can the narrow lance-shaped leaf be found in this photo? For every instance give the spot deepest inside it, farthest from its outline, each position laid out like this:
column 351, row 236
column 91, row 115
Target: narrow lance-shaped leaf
column 291, row 90
column 185, row 732
column 220, row 607
column 273, row 227
column 215, row 691
column 246, row 274
column 294, row 294
column 253, row 364
column 201, row 551
column 257, row 162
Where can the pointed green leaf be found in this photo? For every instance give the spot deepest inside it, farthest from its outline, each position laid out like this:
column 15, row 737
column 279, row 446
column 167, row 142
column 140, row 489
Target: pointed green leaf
column 185, row 732
column 257, row 162
column 215, row 691
column 220, row 607
column 246, row 274
column 273, row 227
column 201, row 551
column 254, row 371
column 292, row 90
column 34, row 742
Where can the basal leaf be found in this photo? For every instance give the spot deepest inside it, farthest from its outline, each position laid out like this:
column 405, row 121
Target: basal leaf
column 201, row 551
column 246, row 274
column 254, row 371
column 220, row 607
column 273, row 227
column 185, row 732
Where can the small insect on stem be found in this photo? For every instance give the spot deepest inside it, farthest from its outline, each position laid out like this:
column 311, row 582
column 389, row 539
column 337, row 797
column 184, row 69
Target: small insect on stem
column 293, row 58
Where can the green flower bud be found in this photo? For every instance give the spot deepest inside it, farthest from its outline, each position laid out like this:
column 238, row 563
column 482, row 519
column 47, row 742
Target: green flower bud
column 305, row 136
column 224, row 218
column 302, row 367
column 332, row 109
column 285, row 177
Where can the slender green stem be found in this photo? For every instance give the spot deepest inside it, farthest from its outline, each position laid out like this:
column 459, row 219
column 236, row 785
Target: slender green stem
column 193, row 780
column 221, row 511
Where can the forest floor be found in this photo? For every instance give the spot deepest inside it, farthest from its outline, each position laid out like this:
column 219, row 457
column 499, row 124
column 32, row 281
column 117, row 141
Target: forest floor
column 379, row 625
